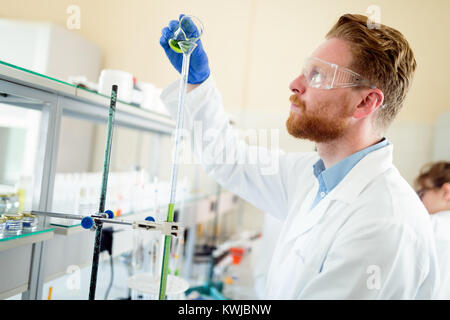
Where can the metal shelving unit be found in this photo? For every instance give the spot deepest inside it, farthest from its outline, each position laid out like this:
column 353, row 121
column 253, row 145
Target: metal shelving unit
column 39, row 235
column 54, row 99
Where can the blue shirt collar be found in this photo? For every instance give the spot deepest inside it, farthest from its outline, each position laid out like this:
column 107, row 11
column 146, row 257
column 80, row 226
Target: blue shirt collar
column 331, row 177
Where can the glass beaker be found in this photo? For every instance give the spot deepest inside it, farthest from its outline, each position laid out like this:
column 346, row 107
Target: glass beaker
column 184, row 39
column 138, row 250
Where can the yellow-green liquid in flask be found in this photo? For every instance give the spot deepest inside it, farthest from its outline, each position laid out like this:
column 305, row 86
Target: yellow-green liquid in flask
column 181, row 46
column 175, row 46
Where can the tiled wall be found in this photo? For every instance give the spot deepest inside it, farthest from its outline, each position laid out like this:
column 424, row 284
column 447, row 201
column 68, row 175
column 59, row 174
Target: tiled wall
column 441, row 147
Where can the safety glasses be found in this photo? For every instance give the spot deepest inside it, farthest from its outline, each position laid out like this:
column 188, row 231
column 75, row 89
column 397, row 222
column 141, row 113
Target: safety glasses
column 322, row 74
column 421, row 192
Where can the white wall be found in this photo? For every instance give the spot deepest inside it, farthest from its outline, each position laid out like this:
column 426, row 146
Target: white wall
column 441, row 146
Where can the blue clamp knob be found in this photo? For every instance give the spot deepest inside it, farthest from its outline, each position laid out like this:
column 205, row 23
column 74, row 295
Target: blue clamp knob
column 110, row 214
column 150, row 218
column 87, row 222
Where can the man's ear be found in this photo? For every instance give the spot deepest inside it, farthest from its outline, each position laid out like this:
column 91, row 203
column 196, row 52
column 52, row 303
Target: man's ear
column 446, row 188
column 371, row 100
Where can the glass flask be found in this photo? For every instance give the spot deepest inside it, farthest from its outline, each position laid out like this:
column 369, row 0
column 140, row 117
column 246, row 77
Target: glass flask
column 189, row 30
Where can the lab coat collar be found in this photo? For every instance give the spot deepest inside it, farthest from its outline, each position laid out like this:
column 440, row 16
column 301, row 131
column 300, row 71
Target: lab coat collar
column 367, row 169
column 441, row 213
column 333, row 175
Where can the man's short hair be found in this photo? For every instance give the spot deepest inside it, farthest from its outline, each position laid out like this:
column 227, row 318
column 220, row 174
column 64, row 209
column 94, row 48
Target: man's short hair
column 382, row 55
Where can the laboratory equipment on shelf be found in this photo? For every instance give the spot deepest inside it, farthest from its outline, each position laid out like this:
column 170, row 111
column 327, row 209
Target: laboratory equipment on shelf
column 24, row 194
column 29, row 222
column 95, row 221
column 9, row 203
column 13, row 225
column 184, row 40
column 2, row 226
column 212, row 288
column 228, row 256
column 147, row 286
column 176, row 255
column 13, row 221
column 128, row 192
column 121, row 78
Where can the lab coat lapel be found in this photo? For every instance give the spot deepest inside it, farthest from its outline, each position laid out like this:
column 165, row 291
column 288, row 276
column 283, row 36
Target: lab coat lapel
column 372, row 165
column 306, row 219
column 367, row 169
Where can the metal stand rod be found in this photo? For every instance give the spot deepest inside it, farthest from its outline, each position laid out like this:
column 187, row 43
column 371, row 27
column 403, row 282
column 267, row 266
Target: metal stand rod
column 95, row 259
column 99, row 223
column 215, row 233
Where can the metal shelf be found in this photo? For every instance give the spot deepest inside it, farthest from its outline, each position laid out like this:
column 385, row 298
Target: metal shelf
column 33, row 79
column 67, row 230
column 79, row 102
column 26, row 238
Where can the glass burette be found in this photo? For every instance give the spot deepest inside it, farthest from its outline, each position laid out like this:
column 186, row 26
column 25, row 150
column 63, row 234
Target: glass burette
column 183, row 41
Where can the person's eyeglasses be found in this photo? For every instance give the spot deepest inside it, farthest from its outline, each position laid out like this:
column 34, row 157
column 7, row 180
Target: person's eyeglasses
column 421, row 192
column 322, row 74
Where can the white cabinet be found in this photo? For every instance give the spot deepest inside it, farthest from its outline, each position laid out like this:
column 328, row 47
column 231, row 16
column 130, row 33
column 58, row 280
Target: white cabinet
column 48, row 49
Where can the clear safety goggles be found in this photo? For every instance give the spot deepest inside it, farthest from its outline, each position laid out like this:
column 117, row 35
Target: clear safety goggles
column 322, row 74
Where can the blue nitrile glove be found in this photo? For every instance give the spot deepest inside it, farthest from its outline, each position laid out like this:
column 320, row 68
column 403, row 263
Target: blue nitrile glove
column 198, row 65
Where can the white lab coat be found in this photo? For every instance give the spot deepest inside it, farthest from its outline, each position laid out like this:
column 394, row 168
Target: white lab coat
column 369, row 238
column 441, row 227
column 263, row 253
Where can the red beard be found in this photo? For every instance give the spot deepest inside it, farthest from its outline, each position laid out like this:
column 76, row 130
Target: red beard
column 317, row 125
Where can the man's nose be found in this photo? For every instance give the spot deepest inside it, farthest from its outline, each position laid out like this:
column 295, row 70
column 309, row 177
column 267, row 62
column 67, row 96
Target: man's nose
column 298, row 85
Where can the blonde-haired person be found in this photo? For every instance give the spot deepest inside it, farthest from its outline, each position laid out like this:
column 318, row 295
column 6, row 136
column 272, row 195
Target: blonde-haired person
column 433, row 188
column 353, row 228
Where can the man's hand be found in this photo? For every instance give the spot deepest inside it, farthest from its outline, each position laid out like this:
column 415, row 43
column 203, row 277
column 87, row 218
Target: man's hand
column 198, row 65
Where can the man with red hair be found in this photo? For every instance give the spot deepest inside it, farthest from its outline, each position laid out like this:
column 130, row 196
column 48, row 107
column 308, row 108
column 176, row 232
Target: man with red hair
column 353, row 228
